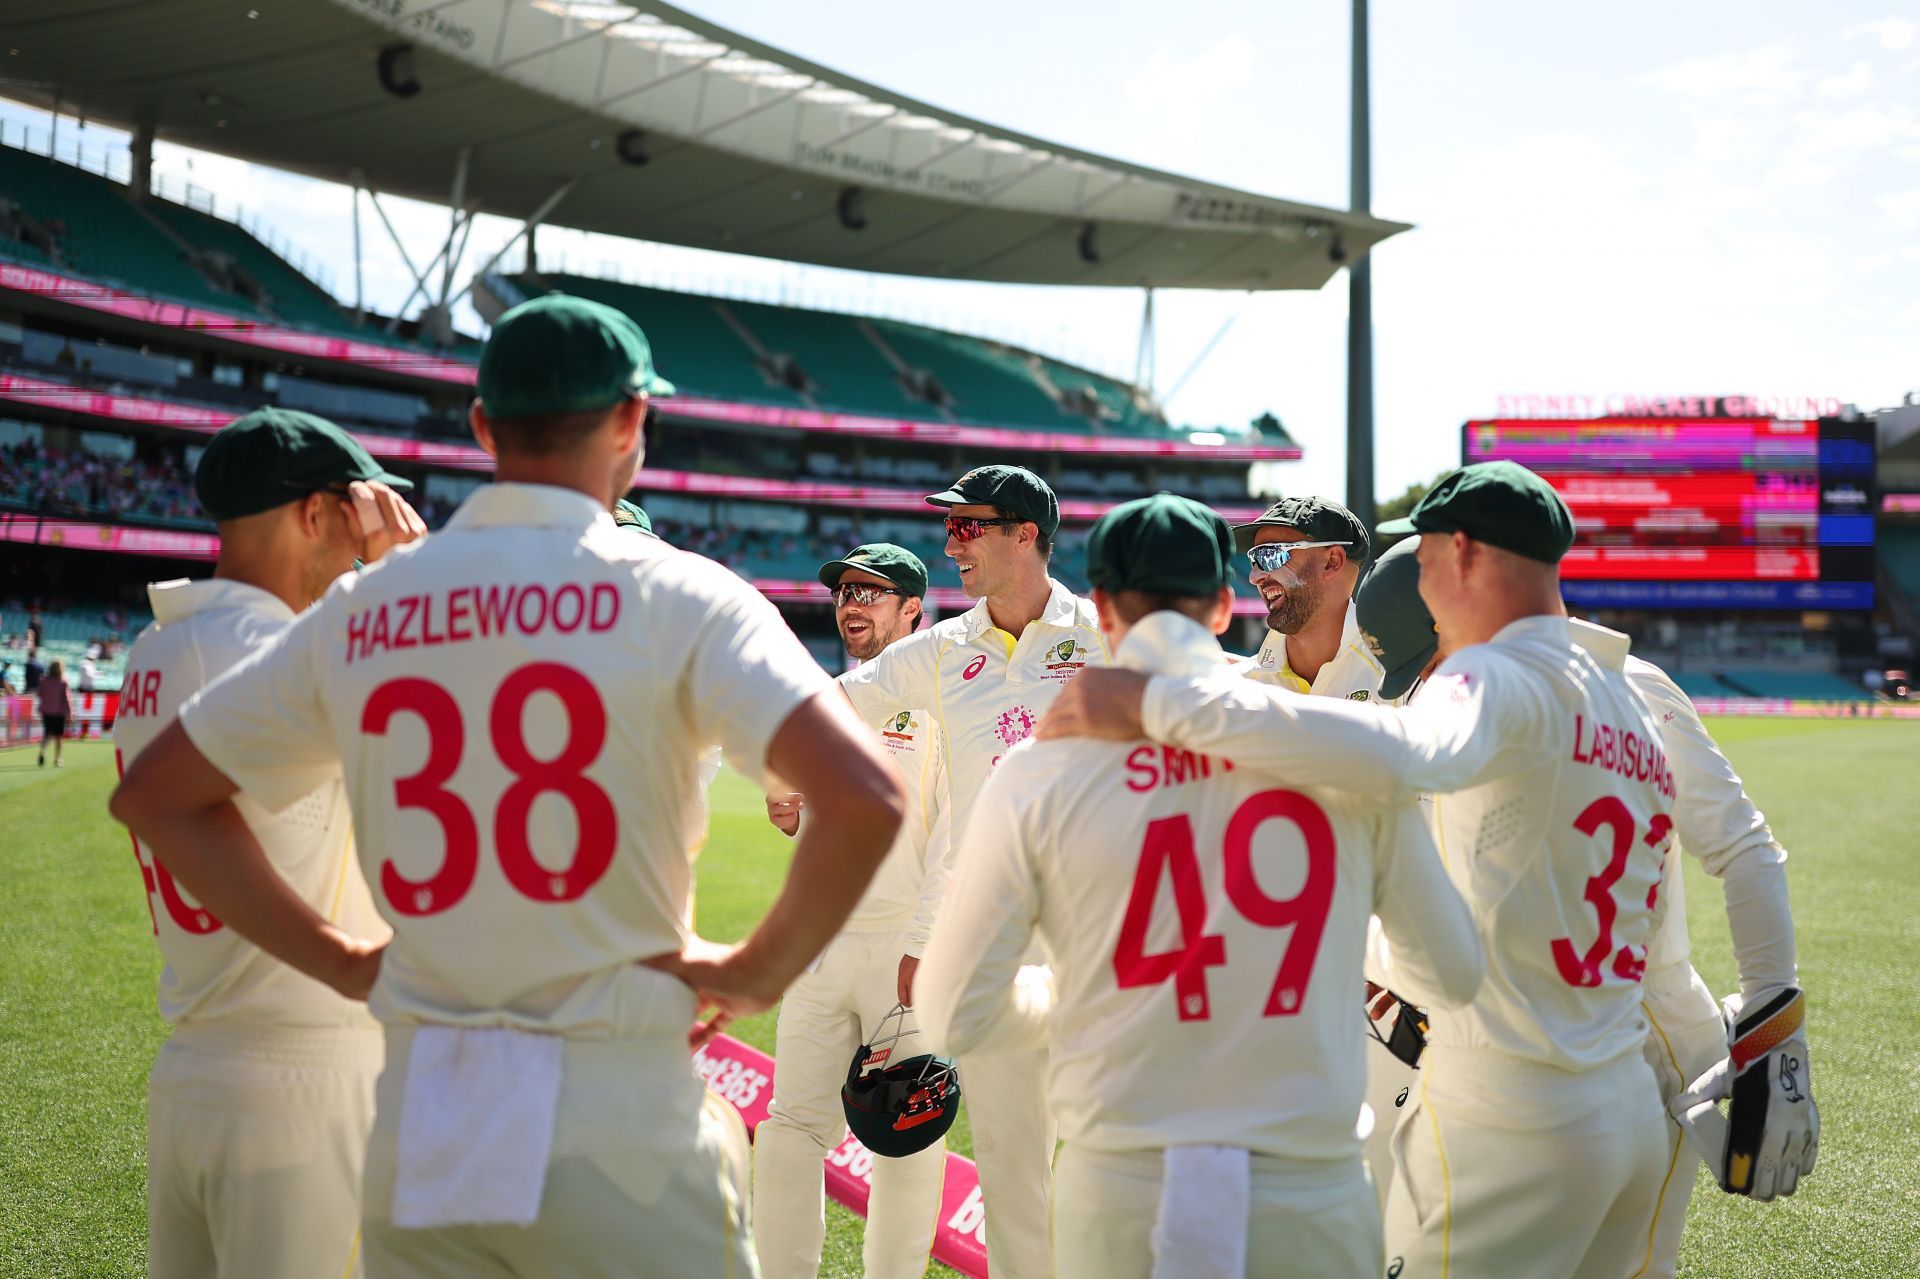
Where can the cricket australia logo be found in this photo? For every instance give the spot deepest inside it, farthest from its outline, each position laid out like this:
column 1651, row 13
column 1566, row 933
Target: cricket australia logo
column 1015, row 725
column 1064, row 659
column 898, row 732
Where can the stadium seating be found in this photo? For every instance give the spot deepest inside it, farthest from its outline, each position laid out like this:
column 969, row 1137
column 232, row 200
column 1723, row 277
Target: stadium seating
column 1703, row 684
column 692, row 345
column 988, row 384
column 845, row 369
column 983, row 382
column 102, row 234
column 1811, row 686
column 1900, row 552
column 289, row 295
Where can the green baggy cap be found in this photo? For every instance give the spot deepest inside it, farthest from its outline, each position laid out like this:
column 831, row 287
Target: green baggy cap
column 883, row 559
column 630, row 515
column 562, row 354
column 274, row 456
column 1164, row 545
column 1394, row 620
column 1500, row 503
column 1014, row 489
column 1321, row 519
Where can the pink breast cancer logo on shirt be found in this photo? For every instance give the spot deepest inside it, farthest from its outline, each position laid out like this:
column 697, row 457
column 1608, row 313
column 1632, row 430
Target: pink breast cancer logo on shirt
column 1015, row 725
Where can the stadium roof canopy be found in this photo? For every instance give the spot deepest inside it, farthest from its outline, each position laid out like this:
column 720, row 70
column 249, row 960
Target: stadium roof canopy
column 643, row 120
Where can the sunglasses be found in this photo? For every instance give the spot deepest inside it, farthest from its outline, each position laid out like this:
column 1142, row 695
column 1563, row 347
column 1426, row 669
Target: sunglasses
column 964, row 528
column 1268, row 556
column 865, row 594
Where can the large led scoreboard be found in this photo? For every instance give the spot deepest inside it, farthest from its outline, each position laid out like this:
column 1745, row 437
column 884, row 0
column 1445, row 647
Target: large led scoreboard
column 1714, row 513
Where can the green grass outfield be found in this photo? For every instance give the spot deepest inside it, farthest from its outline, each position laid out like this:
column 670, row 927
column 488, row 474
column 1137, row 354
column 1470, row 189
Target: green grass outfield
column 78, row 1031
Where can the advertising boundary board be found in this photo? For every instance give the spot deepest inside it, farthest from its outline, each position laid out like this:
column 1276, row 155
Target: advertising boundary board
column 743, row 1076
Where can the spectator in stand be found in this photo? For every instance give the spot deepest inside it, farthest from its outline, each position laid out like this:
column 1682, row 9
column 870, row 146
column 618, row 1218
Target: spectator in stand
column 54, row 709
column 33, row 672
column 89, row 674
column 36, row 629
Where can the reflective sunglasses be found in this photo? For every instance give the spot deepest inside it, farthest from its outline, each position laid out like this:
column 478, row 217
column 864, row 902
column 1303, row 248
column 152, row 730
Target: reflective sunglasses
column 1268, row 556
column 964, row 528
column 865, row 594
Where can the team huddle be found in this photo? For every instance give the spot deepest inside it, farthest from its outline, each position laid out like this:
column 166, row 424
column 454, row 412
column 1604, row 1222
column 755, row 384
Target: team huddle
column 419, row 843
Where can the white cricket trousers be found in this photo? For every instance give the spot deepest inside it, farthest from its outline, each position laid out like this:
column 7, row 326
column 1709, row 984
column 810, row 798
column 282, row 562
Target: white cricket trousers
column 254, row 1146
column 1568, row 1197
column 647, row 1177
column 824, row 1018
column 1005, row 1096
column 1391, row 1087
column 1688, row 1038
column 1303, row 1221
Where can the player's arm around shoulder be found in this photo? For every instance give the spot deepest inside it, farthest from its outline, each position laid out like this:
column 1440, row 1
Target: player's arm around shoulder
column 1433, row 953
column 970, row 992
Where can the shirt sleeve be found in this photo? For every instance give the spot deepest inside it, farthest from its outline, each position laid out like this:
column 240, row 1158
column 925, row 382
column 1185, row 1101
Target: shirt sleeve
column 970, row 993
column 936, row 863
column 900, row 676
column 1718, row 824
column 267, row 722
column 747, row 674
column 1429, row 950
column 1472, row 723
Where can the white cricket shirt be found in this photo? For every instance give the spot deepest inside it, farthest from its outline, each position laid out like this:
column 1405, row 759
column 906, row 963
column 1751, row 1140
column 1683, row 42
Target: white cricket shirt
column 201, row 630
column 1552, row 814
column 1716, row 823
column 1353, row 672
column 905, row 892
column 1205, row 927
column 987, row 690
column 518, row 704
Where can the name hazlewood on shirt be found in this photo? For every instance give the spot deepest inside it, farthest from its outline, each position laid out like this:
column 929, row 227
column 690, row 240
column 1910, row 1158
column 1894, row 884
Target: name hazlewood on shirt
column 480, row 612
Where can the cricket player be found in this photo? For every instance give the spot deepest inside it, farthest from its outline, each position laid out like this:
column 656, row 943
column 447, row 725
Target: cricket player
column 1306, row 556
column 518, row 705
column 1716, row 823
column 260, row 1101
column 987, row 676
column 838, row 1004
column 1206, row 930
column 1536, row 1143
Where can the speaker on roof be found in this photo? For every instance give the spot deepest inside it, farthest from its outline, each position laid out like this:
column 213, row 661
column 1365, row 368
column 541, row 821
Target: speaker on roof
column 1339, row 250
column 1090, row 243
column 397, row 73
column 631, row 147
column 852, row 208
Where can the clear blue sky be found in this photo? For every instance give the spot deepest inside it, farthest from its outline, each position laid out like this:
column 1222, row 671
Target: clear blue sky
column 1640, row 198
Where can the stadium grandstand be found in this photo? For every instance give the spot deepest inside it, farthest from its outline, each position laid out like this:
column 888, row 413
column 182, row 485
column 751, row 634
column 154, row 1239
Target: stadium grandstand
column 135, row 321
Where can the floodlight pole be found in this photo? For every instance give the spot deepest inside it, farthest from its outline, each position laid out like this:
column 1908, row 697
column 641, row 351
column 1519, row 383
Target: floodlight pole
column 1360, row 295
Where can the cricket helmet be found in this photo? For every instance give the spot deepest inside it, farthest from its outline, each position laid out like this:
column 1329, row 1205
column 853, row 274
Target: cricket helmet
column 899, row 1106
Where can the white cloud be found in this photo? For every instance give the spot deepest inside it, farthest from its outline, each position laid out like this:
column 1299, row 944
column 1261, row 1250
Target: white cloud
column 1754, row 76
column 1176, row 96
column 1894, row 34
column 1901, row 207
column 1854, row 82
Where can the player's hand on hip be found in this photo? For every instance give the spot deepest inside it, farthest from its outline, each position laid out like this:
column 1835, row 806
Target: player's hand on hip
column 382, row 518
column 1102, row 704
column 359, row 967
column 903, row 984
column 784, row 812
column 724, row 982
